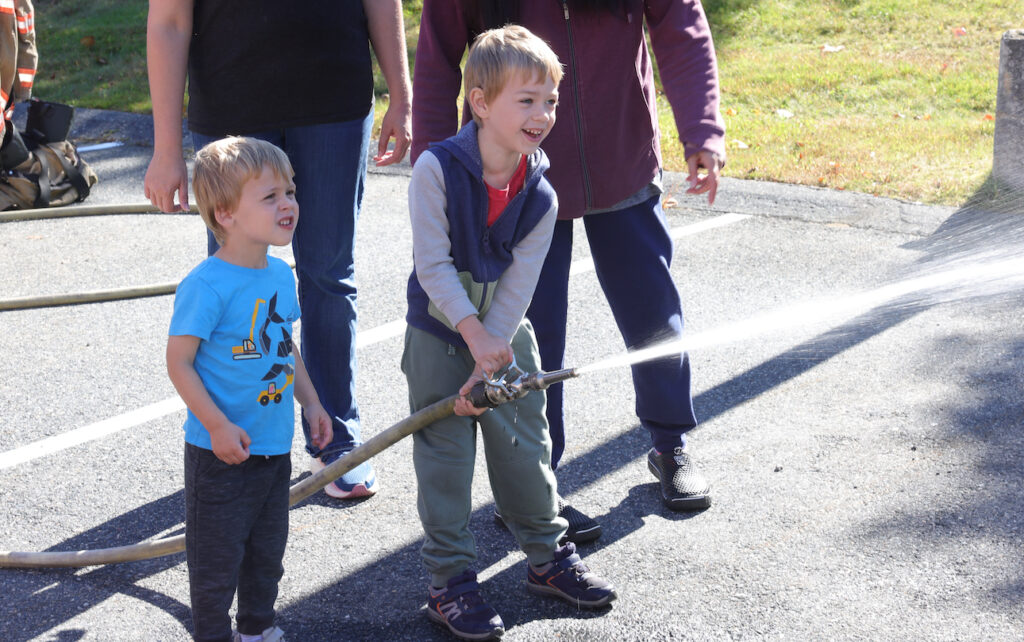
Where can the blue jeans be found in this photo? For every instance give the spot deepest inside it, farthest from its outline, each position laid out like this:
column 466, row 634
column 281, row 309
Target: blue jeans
column 330, row 176
column 632, row 252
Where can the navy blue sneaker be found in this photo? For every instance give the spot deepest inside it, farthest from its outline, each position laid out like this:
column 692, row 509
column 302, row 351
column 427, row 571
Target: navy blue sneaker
column 569, row 579
column 460, row 607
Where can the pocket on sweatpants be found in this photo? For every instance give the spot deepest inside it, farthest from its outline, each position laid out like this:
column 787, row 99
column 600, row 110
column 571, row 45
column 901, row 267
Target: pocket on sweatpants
column 219, row 483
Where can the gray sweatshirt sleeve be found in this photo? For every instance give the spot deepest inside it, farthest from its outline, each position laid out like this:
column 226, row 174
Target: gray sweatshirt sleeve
column 515, row 288
column 431, row 245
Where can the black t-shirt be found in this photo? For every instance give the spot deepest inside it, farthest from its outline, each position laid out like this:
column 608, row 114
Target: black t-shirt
column 256, row 65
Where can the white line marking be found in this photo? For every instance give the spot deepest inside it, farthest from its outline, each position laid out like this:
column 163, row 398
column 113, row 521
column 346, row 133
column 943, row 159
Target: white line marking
column 709, row 224
column 586, row 265
column 81, row 435
column 380, row 333
column 99, row 146
column 364, row 338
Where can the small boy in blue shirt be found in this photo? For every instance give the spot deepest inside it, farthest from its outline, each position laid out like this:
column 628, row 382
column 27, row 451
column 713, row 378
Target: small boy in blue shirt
column 230, row 357
column 482, row 218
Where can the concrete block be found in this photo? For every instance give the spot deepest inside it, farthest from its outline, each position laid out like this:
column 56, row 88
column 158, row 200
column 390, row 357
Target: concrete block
column 1008, row 146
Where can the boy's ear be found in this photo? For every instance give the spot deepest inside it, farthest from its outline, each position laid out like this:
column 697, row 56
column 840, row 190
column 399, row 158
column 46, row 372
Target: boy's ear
column 223, row 216
column 477, row 102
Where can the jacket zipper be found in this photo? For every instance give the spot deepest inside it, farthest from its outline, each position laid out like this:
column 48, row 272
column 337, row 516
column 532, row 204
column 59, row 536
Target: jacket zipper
column 486, row 241
column 588, row 196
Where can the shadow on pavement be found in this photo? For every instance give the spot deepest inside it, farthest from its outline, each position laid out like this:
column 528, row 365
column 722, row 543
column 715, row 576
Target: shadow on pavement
column 45, row 598
column 984, row 503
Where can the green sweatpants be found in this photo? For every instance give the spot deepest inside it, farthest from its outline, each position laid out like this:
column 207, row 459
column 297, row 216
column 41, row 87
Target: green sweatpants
column 517, row 448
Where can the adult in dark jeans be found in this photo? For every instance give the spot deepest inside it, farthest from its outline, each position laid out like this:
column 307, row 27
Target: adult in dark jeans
column 301, row 78
column 606, row 168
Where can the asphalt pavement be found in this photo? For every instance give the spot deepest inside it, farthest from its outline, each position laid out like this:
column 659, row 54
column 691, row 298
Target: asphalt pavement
column 858, row 365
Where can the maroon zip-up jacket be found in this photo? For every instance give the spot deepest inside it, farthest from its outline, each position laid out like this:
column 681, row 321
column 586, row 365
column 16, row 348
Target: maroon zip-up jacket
column 605, row 144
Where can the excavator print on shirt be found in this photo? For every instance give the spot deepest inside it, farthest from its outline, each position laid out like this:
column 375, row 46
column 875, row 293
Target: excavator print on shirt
column 248, row 350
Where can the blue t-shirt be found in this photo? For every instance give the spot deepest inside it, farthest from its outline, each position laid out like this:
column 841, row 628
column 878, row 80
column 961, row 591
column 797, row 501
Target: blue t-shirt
column 243, row 318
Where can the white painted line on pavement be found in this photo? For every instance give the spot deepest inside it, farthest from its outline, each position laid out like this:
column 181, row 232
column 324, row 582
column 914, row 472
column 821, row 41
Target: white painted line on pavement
column 99, row 146
column 380, row 333
column 81, row 435
column 709, row 224
column 364, row 338
column 586, row 265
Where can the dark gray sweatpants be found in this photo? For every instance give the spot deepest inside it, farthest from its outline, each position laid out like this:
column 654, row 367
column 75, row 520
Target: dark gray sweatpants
column 236, row 527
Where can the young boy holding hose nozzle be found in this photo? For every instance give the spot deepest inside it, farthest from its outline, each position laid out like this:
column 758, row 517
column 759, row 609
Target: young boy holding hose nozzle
column 482, row 216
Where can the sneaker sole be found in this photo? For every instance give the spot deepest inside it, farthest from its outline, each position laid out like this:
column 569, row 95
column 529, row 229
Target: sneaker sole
column 437, row 618
column 332, row 489
column 584, row 536
column 696, row 502
column 541, row 589
column 359, row 490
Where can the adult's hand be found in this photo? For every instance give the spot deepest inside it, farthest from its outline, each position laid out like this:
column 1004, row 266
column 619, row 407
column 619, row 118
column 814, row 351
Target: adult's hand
column 706, row 183
column 387, row 35
column 397, row 125
column 166, row 176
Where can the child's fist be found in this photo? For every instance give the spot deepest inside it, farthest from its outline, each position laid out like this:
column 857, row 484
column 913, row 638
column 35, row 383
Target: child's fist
column 321, row 430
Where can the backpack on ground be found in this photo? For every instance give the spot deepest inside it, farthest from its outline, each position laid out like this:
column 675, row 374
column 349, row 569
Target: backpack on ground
column 40, row 167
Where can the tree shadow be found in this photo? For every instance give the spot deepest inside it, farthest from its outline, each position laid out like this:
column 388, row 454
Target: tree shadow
column 722, row 16
column 986, row 504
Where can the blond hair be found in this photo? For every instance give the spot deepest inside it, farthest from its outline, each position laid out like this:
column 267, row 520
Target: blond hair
column 498, row 53
column 224, row 166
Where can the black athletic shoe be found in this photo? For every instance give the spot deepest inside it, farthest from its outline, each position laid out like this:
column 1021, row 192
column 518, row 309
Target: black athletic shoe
column 582, row 529
column 682, row 485
column 460, row 607
column 569, row 579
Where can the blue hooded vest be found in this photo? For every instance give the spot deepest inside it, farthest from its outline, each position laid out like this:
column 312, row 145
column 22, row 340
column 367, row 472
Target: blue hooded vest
column 480, row 253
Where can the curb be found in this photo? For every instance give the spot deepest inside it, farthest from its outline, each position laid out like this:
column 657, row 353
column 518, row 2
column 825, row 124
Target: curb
column 758, row 198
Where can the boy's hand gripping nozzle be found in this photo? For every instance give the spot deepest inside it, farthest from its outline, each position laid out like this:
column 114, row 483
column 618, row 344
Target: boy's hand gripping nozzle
column 512, row 384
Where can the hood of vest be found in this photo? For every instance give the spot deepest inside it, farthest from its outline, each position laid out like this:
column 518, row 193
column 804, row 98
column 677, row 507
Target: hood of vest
column 465, row 147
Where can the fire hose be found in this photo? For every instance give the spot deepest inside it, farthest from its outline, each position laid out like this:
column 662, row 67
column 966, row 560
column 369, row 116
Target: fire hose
column 95, row 296
column 508, row 386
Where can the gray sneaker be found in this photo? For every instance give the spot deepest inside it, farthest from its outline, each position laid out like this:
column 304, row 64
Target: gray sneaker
column 683, row 488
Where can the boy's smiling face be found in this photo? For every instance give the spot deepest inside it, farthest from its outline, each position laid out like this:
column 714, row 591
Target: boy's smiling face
column 520, row 117
column 266, row 214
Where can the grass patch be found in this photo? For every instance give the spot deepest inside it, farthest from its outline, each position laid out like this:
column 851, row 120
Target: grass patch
column 888, row 97
column 92, row 53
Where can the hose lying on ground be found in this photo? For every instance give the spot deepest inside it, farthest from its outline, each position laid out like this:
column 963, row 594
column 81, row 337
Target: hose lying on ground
column 69, row 211
column 299, row 492
column 92, row 296
column 95, row 296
